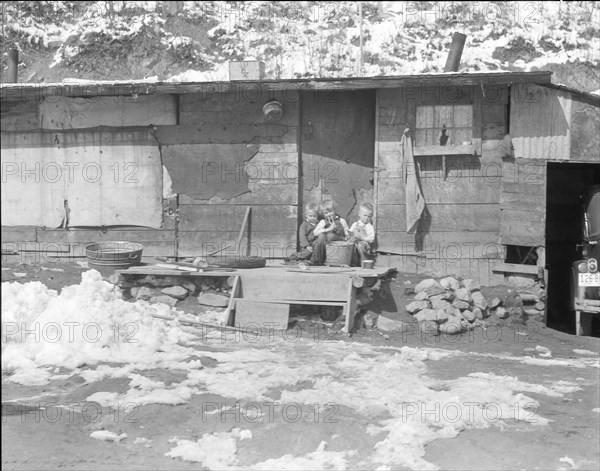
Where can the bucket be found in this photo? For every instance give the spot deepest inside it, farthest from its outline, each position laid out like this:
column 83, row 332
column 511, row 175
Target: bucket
column 114, row 254
column 368, row 264
column 339, row 252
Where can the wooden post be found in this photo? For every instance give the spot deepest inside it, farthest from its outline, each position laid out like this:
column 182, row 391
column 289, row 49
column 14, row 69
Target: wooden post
column 242, row 230
column 13, row 66
column 455, row 53
column 350, row 307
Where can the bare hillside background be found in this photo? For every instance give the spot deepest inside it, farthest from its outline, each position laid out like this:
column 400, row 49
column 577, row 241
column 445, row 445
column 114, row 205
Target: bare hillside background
column 193, row 41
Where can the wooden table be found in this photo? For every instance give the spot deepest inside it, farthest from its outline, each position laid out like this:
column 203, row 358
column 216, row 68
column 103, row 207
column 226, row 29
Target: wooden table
column 263, row 296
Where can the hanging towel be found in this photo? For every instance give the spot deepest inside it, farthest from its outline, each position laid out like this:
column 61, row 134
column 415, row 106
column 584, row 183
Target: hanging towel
column 415, row 203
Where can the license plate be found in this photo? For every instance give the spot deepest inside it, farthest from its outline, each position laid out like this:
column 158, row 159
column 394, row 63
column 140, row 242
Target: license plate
column 589, row 279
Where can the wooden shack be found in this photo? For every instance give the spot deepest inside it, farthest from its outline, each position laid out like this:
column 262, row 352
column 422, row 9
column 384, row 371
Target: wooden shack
column 175, row 165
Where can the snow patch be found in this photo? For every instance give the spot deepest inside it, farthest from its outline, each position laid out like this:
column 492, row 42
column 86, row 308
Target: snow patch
column 214, row 450
column 86, row 324
column 107, row 436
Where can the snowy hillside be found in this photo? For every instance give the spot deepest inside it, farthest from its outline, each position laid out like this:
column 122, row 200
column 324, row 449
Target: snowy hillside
column 193, row 41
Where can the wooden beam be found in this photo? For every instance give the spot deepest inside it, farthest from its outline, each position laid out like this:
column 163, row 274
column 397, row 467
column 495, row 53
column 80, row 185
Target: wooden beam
column 231, row 304
column 516, row 268
column 243, row 229
column 36, row 91
column 444, row 150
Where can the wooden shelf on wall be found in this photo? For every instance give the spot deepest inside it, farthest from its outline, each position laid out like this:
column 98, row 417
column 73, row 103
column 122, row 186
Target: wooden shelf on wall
column 468, row 149
column 443, row 152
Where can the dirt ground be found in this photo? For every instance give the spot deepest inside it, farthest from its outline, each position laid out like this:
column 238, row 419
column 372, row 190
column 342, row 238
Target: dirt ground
column 35, row 441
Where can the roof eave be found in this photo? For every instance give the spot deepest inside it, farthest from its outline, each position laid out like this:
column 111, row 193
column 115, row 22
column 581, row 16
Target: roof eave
column 37, row 91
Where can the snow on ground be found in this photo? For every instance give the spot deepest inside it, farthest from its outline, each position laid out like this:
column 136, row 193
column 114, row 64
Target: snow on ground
column 581, row 351
column 215, row 451
column 84, row 325
column 390, row 386
column 107, row 436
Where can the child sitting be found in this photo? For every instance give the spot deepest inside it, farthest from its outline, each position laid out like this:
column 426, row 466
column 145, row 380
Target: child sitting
column 306, row 233
column 363, row 233
column 330, row 228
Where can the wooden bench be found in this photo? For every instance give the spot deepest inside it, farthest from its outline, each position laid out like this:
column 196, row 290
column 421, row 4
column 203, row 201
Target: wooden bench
column 263, row 296
column 273, row 292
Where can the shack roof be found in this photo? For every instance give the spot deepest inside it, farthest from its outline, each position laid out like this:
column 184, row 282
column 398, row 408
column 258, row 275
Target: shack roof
column 585, row 97
column 88, row 89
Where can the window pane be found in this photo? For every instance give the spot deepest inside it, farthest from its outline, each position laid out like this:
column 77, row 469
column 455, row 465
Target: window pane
column 443, row 116
column 463, row 116
column 424, row 117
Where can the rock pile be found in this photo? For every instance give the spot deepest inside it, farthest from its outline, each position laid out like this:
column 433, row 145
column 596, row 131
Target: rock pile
column 455, row 305
column 452, row 305
column 213, row 292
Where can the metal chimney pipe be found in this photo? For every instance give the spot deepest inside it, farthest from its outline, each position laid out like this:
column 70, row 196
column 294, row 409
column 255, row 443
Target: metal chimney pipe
column 13, row 65
column 455, row 53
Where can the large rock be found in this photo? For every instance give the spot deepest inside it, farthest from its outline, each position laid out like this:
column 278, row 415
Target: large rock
column 502, row 313
column 164, row 299
column 213, row 299
column 450, row 283
column 426, row 315
column 421, row 296
column 389, row 325
column 446, row 296
column 439, row 304
column 462, row 305
column 495, row 302
column 435, row 291
column 190, row 286
column 471, row 285
column 143, row 292
column 369, row 320
column 453, row 311
column 435, row 315
column 417, row 306
column 428, row 284
column 161, row 282
column 207, row 285
column 468, row 315
column 441, row 316
column 478, row 313
column 177, row 292
column 479, row 300
column 463, row 294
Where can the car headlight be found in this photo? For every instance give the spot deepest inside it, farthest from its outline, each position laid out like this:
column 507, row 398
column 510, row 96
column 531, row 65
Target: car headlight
column 582, row 267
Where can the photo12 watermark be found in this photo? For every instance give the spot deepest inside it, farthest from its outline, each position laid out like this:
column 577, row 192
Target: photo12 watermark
column 72, row 412
column 271, row 412
column 468, row 412
column 69, row 332
column 69, row 172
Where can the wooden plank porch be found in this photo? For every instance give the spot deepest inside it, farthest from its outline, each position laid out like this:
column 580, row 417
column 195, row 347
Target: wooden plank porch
column 263, row 296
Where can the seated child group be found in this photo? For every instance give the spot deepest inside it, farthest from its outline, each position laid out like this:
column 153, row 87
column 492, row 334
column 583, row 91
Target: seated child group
column 322, row 225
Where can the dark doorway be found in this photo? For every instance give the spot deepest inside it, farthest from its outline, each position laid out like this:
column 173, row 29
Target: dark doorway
column 338, row 146
column 566, row 186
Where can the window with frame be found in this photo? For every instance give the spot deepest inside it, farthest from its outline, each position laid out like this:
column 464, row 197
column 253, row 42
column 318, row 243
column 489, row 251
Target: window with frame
column 447, row 125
